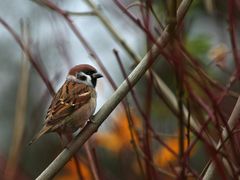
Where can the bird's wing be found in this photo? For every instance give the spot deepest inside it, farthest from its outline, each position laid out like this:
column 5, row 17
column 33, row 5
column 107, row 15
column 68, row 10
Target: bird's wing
column 70, row 97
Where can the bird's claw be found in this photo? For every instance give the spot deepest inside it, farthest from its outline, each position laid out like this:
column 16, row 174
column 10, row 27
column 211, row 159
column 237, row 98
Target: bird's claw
column 91, row 119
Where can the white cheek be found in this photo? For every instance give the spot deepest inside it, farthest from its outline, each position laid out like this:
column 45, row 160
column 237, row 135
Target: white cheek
column 89, row 80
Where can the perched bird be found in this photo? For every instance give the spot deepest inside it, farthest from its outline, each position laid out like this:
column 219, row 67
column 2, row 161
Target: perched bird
column 73, row 104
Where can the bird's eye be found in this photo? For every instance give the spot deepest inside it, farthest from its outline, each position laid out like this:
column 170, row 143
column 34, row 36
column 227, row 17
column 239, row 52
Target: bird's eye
column 81, row 77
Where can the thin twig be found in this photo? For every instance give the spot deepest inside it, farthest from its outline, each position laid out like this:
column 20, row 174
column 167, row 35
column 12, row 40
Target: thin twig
column 132, row 132
column 211, row 170
column 78, row 168
column 128, row 113
column 29, row 56
column 113, row 32
column 71, row 13
column 20, row 110
column 91, row 161
column 232, row 33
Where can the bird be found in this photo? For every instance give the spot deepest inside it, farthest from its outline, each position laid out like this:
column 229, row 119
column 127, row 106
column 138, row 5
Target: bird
column 73, row 104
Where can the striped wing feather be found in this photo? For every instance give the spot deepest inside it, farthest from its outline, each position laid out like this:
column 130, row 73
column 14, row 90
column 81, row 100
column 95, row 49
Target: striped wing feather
column 64, row 104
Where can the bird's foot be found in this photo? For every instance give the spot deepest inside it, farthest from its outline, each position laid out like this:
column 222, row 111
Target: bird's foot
column 91, row 119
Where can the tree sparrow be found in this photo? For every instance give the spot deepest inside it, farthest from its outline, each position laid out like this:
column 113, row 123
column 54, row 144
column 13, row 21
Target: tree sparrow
column 73, row 104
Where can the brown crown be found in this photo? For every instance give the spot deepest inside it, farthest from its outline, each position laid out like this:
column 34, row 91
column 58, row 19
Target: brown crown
column 81, row 67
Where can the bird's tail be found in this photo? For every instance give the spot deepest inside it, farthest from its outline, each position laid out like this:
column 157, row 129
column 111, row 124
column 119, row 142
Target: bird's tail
column 44, row 130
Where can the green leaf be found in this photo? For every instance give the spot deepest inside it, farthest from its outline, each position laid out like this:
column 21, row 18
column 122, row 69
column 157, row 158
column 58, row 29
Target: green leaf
column 199, row 45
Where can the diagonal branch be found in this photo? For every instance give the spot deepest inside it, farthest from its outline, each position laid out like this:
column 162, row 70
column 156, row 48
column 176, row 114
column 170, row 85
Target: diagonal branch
column 167, row 95
column 109, row 106
column 102, row 114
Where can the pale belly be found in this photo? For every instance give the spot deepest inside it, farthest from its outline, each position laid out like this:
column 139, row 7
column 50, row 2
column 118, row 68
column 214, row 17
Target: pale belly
column 80, row 116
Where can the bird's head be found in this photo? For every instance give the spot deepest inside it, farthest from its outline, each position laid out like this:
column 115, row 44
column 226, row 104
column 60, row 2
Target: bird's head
column 84, row 73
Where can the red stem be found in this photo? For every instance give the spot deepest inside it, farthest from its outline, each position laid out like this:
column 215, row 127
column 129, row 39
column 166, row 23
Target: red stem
column 232, row 33
column 26, row 50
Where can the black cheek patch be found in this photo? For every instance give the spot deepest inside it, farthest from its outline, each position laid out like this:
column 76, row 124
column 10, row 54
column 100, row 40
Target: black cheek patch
column 94, row 82
column 81, row 77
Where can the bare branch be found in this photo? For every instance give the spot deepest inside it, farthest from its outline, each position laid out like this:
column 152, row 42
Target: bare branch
column 231, row 123
column 109, row 106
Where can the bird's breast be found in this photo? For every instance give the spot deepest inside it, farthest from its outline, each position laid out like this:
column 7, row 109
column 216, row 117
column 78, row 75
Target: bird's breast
column 81, row 115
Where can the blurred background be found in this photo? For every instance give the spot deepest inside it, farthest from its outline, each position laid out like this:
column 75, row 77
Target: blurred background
column 55, row 48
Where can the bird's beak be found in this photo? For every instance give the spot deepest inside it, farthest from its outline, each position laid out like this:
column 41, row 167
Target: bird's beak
column 97, row 75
